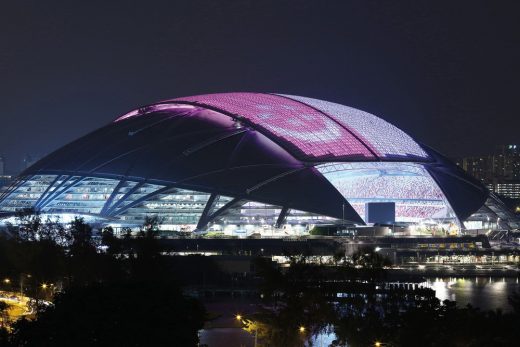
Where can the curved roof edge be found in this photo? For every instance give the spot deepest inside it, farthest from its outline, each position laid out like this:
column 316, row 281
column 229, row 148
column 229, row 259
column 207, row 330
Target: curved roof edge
column 311, row 129
column 465, row 194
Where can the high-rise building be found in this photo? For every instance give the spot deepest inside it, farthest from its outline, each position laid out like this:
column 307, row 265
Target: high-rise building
column 510, row 189
column 4, row 178
column 507, row 162
column 499, row 171
column 479, row 167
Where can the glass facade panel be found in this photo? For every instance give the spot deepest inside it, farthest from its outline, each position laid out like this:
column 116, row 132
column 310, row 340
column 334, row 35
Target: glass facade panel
column 87, row 196
column 26, row 193
column 302, row 217
column 178, row 209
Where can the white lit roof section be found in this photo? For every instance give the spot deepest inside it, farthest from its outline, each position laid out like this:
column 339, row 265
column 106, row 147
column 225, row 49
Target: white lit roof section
column 416, row 195
column 386, row 140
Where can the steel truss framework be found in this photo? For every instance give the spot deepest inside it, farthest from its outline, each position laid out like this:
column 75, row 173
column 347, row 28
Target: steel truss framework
column 496, row 212
column 128, row 202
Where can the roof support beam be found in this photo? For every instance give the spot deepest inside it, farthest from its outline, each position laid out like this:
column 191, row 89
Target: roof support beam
column 60, row 190
column 138, row 201
column 13, row 187
column 132, row 190
column 44, row 195
column 210, row 205
column 272, row 179
column 282, row 216
column 218, row 213
column 116, row 190
column 211, row 141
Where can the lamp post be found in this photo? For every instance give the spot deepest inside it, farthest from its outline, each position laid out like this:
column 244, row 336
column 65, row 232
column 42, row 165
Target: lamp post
column 22, row 277
column 239, row 318
column 343, row 209
column 7, row 282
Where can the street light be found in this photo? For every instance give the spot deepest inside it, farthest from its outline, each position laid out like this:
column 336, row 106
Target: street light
column 239, row 317
column 343, row 209
column 44, row 286
column 378, row 344
column 249, row 322
column 302, row 329
column 7, row 280
column 22, row 277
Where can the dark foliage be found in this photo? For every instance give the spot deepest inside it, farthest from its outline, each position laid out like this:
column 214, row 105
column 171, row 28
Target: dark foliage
column 115, row 314
column 122, row 297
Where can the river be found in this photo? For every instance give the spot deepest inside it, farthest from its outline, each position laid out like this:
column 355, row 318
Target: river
column 486, row 293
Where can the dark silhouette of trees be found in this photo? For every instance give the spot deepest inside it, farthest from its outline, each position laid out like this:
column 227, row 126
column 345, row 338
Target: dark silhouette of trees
column 83, row 259
column 4, row 307
column 29, row 223
column 151, row 225
column 306, row 294
column 115, row 314
column 113, row 245
column 121, row 294
column 299, row 301
column 369, row 258
column 121, row 297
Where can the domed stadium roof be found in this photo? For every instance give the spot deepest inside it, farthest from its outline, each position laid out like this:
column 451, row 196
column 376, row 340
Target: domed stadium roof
column 287, row 153
column 311, row 129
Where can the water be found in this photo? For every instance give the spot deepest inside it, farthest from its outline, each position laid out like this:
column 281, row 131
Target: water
column 486, row 293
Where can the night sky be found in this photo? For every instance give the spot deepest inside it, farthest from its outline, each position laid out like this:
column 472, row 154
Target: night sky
column 445, row 72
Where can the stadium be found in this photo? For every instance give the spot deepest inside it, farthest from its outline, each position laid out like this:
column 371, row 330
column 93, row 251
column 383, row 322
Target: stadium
column 247, row 163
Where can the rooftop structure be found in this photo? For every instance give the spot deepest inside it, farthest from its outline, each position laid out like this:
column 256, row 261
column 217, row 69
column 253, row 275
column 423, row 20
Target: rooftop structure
column 249, row 162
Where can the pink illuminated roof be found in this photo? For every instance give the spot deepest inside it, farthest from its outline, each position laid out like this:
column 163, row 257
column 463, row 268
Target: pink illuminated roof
column 387, row 140
column 305, row 129
column 312, row 129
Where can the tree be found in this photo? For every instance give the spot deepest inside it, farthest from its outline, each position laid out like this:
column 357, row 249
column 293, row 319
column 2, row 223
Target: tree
column 81, row 234
column 4, row 332
column 115, row 314
column 151, row 225
column 369, row 258
column 53, row 230
column 83, row 259
column 113, row 244
column 29, row 224
column 300, row 300
column 4, row 308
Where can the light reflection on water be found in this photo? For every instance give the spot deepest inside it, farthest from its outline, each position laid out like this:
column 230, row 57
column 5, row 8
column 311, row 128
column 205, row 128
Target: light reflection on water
column 487, row 293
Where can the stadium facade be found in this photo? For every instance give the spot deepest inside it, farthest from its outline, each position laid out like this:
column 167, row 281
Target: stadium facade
column 251, row 162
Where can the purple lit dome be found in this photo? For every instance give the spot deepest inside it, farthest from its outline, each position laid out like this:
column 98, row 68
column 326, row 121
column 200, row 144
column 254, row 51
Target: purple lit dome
column 311, row 129
column 202, row 159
